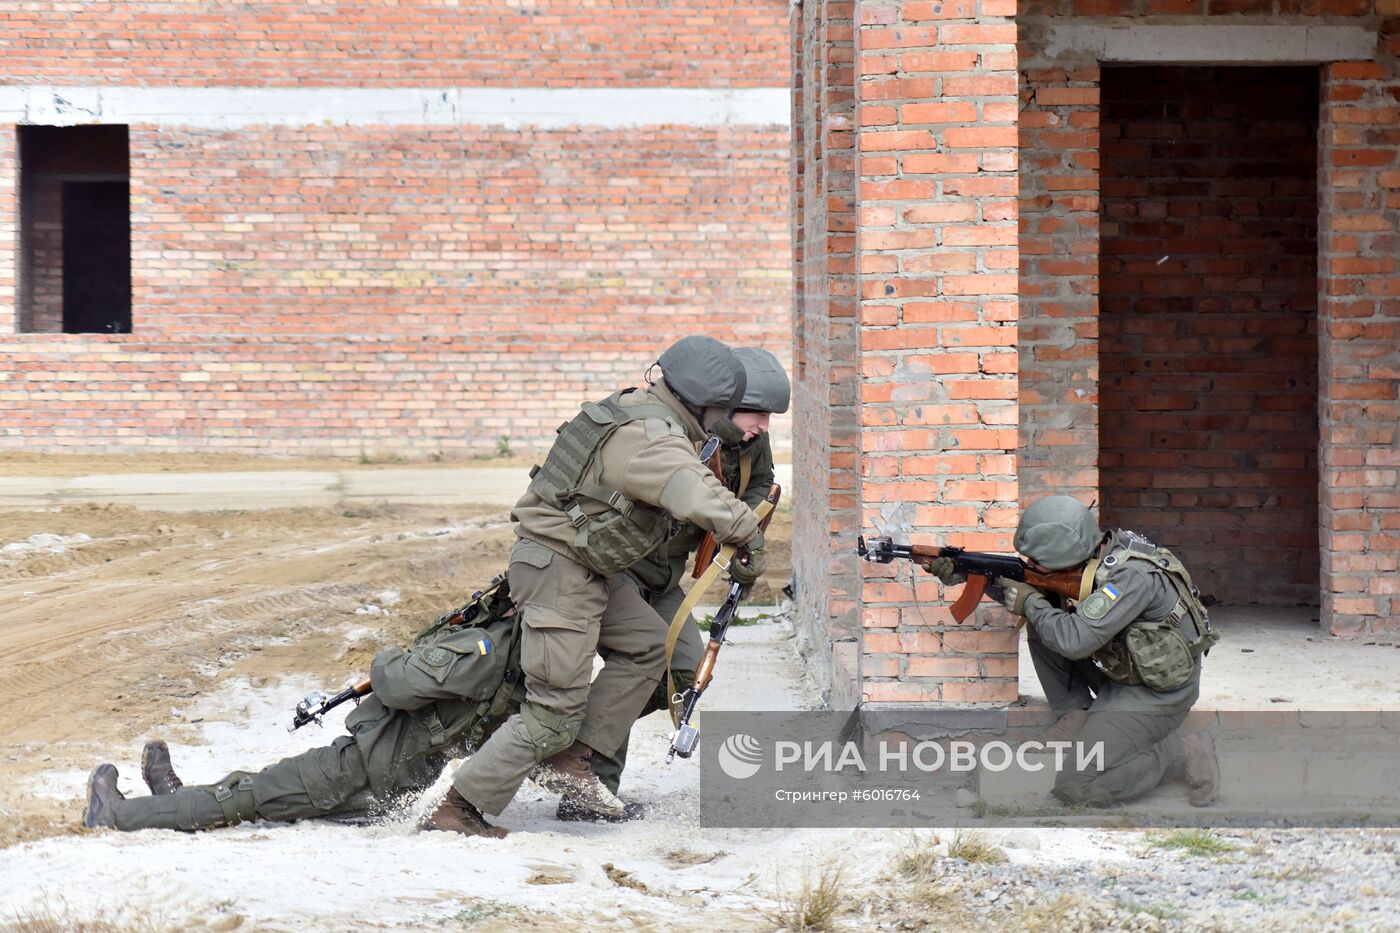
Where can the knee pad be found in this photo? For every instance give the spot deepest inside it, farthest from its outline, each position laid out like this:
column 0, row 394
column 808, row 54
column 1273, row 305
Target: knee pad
column 550, row 732
column 234, row 795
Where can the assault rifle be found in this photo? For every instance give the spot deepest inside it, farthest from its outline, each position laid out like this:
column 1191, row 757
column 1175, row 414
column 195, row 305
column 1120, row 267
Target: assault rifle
column 979, row 569
column 315, row 705
column 687, row 736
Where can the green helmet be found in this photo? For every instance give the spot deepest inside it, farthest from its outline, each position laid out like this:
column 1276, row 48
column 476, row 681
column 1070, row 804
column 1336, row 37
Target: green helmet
column 768, row 388
column 1057, row 532
column 703, row 372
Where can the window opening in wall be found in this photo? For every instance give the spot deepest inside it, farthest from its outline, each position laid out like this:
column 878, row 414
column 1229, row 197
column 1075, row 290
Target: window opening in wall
column 1208, row 324
column 75, row 230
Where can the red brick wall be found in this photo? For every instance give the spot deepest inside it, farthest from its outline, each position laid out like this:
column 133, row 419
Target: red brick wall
column 937, row 233
column 600, row 245
column 1360, row 321
column 1208, row 328
column 537, row 43
column 1059, row 246
column 826, row 350
column 448, row 284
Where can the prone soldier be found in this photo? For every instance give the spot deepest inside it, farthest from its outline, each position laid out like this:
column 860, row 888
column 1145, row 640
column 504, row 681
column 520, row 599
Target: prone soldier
column 433, row 702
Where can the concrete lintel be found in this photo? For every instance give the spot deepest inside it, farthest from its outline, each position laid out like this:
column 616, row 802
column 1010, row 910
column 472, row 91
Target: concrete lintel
column 1222, row 44
column 550, row 108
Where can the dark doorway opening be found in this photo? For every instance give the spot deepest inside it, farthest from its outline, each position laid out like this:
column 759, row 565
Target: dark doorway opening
column 96, row 257
column 75, row 230
column 1208, row 322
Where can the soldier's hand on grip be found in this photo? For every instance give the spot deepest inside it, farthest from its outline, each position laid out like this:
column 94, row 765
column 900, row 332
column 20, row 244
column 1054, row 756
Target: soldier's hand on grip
column 749, row 562
column 942, row 568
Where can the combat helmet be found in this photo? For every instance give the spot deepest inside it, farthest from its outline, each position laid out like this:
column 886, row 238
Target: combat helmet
column 768, row 389
column 1057, row 532
column 703, row 372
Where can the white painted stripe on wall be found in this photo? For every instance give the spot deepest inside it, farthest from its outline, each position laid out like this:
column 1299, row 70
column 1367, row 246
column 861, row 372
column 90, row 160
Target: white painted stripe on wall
column 1212, row 43
column 551, row 108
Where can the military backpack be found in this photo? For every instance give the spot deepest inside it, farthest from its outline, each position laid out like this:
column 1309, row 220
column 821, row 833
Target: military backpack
column 1155, row 652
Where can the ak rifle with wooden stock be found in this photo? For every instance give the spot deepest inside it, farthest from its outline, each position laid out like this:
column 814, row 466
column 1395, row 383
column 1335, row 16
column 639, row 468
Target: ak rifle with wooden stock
column 979, row 568
column 686, row 736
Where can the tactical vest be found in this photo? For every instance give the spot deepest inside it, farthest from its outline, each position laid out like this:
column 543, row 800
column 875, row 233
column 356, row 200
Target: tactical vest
column 625, row 531
column 1154, row 652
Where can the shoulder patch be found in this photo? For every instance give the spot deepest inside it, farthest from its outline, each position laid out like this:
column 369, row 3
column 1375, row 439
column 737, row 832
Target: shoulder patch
column 437, row 657
column 1096, row 606
column 1111, row 591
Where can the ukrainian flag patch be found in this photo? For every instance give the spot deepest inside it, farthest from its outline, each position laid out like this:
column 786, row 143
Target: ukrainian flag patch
column 1111, row 591
column 484, row 646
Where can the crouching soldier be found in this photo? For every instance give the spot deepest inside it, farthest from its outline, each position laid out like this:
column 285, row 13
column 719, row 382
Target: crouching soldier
column 614, row 482
column 435, row 701
column 1123, row 667
column 746, row 464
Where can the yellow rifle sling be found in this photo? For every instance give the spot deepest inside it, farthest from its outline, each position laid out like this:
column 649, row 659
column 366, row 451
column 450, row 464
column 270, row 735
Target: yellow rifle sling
column 718, row 566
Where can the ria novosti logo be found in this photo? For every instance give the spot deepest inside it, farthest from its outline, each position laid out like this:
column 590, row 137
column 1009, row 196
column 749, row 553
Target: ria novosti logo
column 741, row 756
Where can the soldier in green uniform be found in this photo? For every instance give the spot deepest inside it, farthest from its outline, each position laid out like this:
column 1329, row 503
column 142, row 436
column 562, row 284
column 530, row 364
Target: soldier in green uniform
column 746, row 459
column 614, row 482
column 433, row 702
column 1123, row 667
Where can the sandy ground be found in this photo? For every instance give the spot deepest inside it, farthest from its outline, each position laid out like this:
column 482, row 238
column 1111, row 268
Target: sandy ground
column 109, row 615
column 117, row 626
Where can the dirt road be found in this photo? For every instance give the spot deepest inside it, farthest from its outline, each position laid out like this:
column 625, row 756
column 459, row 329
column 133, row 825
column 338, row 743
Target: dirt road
column 110, row 617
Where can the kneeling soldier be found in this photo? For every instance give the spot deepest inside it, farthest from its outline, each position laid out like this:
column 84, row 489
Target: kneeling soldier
column 1123, row 667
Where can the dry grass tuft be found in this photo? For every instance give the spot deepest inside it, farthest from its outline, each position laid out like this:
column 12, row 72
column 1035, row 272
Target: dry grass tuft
column 682, row 857
column 815, row 905
column 973, row 846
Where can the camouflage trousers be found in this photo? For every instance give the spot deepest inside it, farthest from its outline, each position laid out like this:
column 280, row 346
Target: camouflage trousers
column 1138, row 729
column 327, row 782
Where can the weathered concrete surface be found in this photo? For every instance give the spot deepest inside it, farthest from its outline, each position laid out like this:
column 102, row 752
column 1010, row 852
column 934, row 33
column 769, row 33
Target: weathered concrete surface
column 1214, row 43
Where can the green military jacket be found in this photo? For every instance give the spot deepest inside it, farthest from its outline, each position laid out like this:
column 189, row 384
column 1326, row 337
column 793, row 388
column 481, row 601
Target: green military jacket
column 665, row 567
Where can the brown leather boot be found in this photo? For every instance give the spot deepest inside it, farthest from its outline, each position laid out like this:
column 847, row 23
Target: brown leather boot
column 157, row 771
column 1202, row 768
column 570, row 773
column 456, row 815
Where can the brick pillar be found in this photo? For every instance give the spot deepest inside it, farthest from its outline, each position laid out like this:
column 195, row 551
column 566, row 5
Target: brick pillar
column 1059, row 246
column 936, row 234
column 825, row 435
column 1359, row 324
column 9, row 230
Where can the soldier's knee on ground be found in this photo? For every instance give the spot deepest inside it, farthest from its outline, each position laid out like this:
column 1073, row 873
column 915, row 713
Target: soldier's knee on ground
column 1082, row 789
column 550, row 732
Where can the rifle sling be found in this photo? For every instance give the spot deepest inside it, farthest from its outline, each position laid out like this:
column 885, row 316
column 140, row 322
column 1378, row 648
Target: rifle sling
column 717, row 566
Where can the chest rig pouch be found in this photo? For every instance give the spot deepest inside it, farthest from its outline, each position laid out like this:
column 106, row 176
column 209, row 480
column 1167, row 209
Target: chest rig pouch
column 1156, row 652
column 623, row 532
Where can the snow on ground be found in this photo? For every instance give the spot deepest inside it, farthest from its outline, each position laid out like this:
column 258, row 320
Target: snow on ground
column 328, row 876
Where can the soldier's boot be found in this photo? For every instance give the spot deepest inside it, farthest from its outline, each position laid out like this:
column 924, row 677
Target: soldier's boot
column 157, row 771
column 456, row 815
column 1202, row 768
column 570, row 773
column 573, row 808
column 103, row 798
